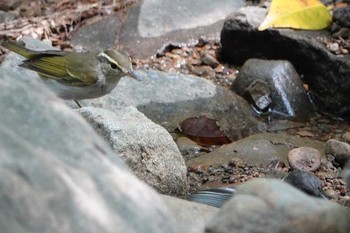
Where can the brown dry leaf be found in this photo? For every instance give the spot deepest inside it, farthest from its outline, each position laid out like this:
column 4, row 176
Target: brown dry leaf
column 203, row 131
column 60, row 20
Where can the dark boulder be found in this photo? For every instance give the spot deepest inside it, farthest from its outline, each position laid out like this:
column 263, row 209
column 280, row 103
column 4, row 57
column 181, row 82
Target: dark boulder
column 327, row 75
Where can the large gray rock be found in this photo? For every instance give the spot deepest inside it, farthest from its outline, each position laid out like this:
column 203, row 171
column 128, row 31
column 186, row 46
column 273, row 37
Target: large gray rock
column 57, row 174
column 168, row 99
column 193, row 216
column 271, row 206
column 147, row 148
column 154, row 24
column 326, row 74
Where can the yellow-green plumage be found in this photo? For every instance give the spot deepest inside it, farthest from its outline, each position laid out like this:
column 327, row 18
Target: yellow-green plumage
column 19, row 48
column 77, row 75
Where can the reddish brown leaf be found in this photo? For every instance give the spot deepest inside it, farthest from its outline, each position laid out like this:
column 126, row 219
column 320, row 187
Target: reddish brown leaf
column 203, row 130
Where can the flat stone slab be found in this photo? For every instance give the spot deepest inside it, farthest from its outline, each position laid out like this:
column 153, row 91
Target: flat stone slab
column 257, row 149
column 154, row 24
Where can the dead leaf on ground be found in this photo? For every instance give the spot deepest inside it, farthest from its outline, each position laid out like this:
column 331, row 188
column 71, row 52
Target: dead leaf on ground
column 58, row 20
column 203, row 131
column 297, row 14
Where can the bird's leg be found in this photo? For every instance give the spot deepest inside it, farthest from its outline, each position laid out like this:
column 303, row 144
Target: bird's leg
column 76, row 101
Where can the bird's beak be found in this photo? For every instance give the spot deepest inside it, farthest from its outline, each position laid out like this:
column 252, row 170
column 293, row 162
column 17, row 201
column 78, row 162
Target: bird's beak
column 133, row 75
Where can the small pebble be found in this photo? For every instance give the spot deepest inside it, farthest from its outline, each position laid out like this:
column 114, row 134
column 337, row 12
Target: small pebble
column 208, row 59
column 330, row 193
column 333, row 47
column 305, row 181
column 344, row 51
column 346, row 137
column 304, row 158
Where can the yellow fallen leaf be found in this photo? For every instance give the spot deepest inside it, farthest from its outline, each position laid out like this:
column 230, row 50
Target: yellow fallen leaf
column 298, row 14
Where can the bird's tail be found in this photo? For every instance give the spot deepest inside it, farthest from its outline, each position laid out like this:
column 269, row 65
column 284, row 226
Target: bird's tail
column 213, row 197
column 18, row 47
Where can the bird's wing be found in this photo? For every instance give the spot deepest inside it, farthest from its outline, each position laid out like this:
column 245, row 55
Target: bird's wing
column 68, row 70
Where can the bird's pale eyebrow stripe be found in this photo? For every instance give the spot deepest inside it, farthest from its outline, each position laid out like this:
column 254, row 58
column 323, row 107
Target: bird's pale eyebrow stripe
column 102, row 54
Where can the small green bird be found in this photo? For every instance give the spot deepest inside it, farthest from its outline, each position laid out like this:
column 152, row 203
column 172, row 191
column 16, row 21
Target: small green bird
column 74, row 75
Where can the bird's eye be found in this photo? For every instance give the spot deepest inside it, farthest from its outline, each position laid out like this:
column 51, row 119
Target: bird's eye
column 113, row 66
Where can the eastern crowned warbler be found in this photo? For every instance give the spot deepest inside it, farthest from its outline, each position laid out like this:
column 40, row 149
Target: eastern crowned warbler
column 73, row 75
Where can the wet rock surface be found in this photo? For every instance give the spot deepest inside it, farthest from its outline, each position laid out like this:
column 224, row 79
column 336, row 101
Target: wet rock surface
column 284, row 88
column 321, row 70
